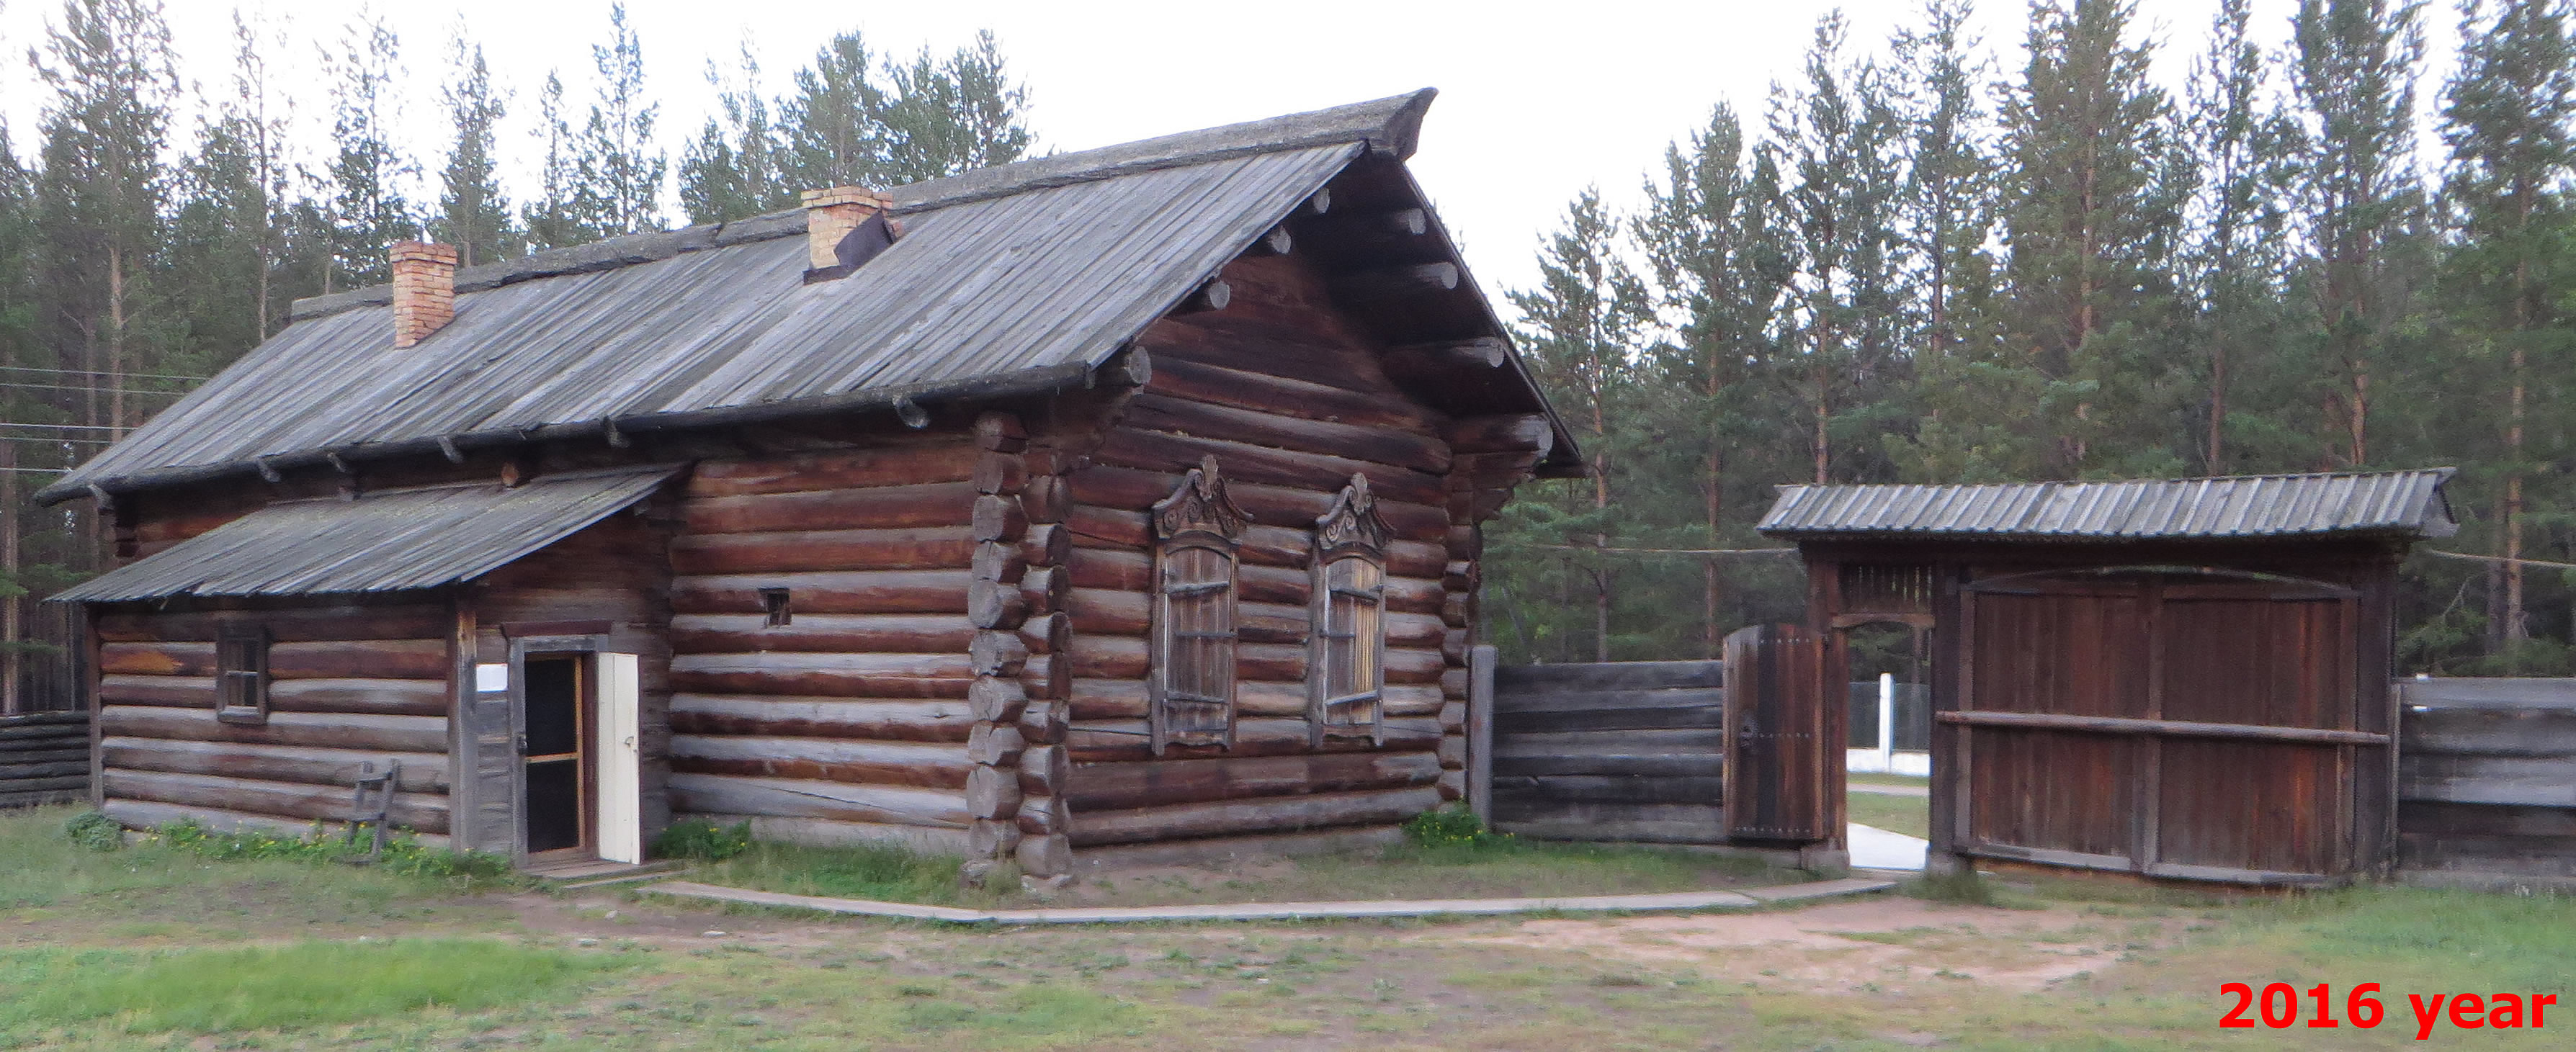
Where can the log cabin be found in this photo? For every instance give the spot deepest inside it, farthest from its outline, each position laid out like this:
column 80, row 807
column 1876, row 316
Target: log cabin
column 1115, row 505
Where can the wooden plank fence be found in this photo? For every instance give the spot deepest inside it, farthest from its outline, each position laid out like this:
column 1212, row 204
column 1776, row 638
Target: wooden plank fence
column 44, row 758
column 2486, row 784
column 1631, row 751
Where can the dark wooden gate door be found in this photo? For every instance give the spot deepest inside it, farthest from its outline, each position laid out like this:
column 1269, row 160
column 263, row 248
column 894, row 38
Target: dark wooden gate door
column 2163, row 721
column 1778, row 743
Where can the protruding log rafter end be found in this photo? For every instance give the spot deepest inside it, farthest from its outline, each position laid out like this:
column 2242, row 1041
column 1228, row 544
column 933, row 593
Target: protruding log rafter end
column 1130, row 368
column 1212, row 296
column 1509, row 433
column 911, row 413
column 1431, row 359
column 1278, row 242
column 1373, row 286
column 1372, row 229
column 1000, row 432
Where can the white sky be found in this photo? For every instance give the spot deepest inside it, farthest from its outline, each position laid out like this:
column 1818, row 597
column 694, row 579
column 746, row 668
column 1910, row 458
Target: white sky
column 1537, row 101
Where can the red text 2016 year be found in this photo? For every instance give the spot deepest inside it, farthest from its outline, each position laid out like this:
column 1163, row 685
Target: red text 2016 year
column 2280, row 1007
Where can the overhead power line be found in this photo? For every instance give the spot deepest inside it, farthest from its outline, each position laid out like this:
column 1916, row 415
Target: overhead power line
column 85, row 390
column 2497, row 559
column 87, row 372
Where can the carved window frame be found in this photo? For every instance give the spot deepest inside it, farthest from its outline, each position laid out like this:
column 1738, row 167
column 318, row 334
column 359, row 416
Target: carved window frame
column 1346, row 689
column 241, row 673
column 1191, row 687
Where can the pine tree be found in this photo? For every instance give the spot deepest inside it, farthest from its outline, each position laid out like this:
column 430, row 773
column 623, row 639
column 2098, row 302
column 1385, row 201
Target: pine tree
column 1719, row 269
column 2090, row 225
column 1836, row 139
column 732, row 169
column 945, row 117
column 2235, row 258
column 2353, row 69
column 856, row 121
column 17, row 350
column 2507, row 117
column 473, row 214
column 830, row 124
column 618, row 172
column 549, row 219
column 102, row 190
column 1948, row 202
column 1946, row 217
column 226, row 239
column 368, row 171
column 1582, row 324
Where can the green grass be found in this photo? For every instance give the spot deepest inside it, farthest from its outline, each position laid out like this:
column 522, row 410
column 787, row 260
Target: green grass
column 2471, row 941
column 45, row 877
column 98, row 969
column 1502, row 867
column 1910, row 815
column 269, row 987
column 862, row 871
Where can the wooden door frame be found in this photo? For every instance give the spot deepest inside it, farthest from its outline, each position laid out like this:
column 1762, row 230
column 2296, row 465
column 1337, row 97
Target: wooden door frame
column 585, row 650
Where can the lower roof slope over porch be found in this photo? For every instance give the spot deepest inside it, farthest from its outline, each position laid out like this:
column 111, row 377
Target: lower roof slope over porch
column 390, row 541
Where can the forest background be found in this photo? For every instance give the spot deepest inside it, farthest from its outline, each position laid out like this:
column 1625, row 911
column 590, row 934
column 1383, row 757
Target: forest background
column 1914, row 264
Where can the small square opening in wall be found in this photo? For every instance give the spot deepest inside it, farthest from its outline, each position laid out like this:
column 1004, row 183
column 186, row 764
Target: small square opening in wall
column 773, row 602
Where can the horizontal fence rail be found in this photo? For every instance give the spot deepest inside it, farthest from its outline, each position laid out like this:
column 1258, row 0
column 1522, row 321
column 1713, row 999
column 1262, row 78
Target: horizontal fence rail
column 2486, row 788
column 44, row 758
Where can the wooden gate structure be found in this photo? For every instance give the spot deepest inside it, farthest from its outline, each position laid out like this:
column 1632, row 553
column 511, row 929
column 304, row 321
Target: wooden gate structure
column 2174, row 678
column 1741, row 752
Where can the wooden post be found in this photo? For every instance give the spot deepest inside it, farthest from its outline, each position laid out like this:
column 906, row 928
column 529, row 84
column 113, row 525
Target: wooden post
column 1480, row 732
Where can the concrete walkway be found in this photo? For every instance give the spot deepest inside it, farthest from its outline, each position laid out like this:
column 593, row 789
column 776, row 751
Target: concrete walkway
column 1875, row 848
column 1258, row 911
column 1890, row 790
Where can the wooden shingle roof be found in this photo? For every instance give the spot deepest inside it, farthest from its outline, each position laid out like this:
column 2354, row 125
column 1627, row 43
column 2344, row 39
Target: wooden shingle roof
column 2391, row 503
column 1011, row 280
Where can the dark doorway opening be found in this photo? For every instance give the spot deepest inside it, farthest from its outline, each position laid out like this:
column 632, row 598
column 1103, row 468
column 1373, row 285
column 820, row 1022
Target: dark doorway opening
column 550, row 745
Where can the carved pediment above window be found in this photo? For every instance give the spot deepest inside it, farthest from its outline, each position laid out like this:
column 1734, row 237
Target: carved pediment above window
column 1352, row 524
column 1200, row 510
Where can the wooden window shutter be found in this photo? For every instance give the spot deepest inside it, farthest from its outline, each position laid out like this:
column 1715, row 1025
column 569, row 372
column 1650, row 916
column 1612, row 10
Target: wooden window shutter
column 1192, row 685
column 241, row 673
column 1346, row 667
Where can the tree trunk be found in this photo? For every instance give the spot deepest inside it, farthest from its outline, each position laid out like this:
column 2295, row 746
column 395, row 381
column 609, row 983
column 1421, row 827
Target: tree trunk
column 11, row 661
column 1712, row 639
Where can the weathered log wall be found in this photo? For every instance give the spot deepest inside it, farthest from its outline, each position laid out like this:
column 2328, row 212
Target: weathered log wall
column 2486, row 789
column 44, row 758
column 1632, row 750
column 1292, row 401
column 351, row 683
column 851, row 721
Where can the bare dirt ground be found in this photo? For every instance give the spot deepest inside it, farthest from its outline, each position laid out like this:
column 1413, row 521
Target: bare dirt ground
column 1881, row 943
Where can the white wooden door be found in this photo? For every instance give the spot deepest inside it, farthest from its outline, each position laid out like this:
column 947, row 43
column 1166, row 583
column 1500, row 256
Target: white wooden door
column 620, row 761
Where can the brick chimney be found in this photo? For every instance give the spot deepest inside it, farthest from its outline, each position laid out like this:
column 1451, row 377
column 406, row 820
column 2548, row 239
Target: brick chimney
column 830, row 215
column 424, row 289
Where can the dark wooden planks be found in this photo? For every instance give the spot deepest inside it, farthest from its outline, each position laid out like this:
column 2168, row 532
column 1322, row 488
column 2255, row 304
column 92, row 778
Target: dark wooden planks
column 44, row 758
column 2487, row 780
column 1615, row 751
